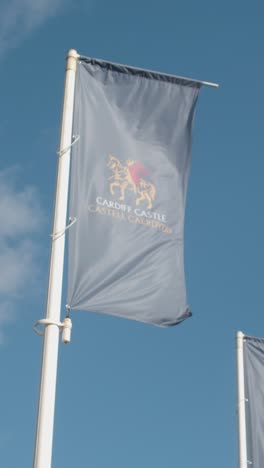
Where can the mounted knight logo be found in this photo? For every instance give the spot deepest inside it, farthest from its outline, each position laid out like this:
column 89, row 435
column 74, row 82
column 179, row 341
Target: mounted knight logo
column 130, row 178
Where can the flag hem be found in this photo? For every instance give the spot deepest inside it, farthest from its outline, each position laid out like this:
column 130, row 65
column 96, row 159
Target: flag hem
column 143, row 73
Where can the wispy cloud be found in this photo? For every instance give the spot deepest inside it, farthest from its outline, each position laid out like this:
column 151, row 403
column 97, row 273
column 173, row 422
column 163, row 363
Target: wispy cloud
column 21, row 218
column 19, row 18
column 20, row 209
column 6, row 316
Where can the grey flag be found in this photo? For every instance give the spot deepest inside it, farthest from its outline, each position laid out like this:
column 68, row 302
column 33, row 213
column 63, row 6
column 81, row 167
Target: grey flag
column 254, row 393
column 128, row 188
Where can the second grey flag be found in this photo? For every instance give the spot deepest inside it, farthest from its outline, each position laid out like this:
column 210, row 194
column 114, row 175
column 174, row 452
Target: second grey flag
column 254, row 394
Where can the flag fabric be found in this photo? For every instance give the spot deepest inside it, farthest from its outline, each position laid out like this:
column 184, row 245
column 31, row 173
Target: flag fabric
column 129, row 175
column 254, row 394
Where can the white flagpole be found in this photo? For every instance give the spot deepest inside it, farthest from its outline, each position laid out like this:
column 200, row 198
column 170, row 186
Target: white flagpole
column 242, row 440
column 45, row 420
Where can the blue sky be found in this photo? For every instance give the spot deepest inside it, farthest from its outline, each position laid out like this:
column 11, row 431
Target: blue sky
column 131, row 395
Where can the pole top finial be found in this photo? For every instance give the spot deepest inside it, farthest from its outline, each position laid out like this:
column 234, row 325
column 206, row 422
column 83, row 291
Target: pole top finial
column 73, row 53
column 71, row 60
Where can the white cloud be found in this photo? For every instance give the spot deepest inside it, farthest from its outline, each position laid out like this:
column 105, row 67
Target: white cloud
column 6, row 316
column 19, row 266
column 18, row 18
column 20, row 211
column 21, row 217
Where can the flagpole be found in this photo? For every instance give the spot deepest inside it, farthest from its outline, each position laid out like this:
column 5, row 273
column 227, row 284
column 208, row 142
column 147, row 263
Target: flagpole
column 45, row 419
column 242, row 439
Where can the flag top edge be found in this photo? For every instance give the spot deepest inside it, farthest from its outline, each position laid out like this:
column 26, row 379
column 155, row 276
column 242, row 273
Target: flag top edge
column 253, row 338
column 144, row 73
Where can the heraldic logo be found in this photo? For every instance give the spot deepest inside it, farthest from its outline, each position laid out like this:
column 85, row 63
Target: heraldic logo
column 129, row 178
column 133, row 196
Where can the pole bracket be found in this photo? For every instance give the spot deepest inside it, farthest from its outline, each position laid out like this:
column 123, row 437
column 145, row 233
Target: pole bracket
column 57, row 235
column 65, row 328
column 75, row 138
